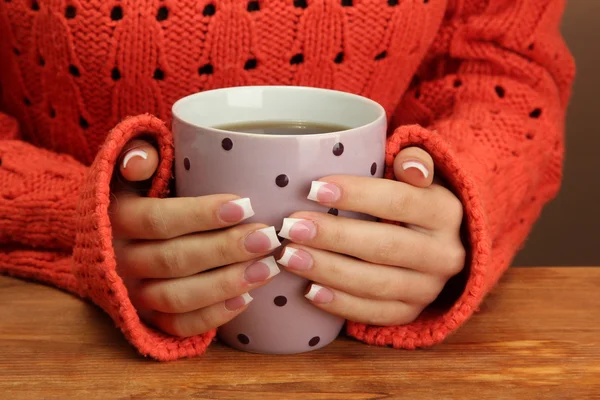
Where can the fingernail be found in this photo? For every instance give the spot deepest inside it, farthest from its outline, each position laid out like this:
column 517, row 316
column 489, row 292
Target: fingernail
column 324, row 192
column 134, row 153
column 236, row 210
column 319, row 294
column 298, row 229
column 296, row 259
column 262, row 240
column 418, row 165
column 261, row 270
column 238, row 302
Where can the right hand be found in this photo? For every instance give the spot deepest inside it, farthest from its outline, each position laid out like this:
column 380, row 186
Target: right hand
column 187, row 265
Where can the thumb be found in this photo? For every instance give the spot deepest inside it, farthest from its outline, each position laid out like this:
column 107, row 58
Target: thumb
column 138, row 161
column 414, row 166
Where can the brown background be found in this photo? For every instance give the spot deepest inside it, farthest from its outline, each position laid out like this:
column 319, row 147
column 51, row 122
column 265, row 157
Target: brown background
column 567, row 233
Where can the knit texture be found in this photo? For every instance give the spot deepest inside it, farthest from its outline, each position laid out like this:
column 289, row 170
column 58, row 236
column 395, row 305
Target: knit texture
column 482, row 85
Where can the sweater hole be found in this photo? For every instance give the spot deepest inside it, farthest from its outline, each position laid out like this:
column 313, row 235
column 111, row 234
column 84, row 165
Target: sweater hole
column 392, row 3
column 83, row 123
column 536, row 113
column 70, row 12
column 41, row 61
column 339, row 58
column 347, row 3
column 381, row 56
column 35, row 6
column 52, row 112
column 250, row 64
column 115, row 74
column 522, row 221
column 73, row 70
column 300, row 4
column 162, row 14
column 16, row 51
column 297, row 59
column 529, row 136
column 499, row 91
column 209, row 10
column 206, row 69
column 253, row 6
column 425, row 1
column 116, row 13
column 159, row 74
column 531, row 47
column 515, row 153
column 417, row 94
column 457, row 83
column 26, row 101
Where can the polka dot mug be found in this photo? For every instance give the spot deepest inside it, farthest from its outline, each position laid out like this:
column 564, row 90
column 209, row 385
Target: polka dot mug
column 275, row 171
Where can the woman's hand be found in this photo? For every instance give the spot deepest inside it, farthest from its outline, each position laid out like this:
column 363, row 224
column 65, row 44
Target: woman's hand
column 169, row 251
column 373, row 272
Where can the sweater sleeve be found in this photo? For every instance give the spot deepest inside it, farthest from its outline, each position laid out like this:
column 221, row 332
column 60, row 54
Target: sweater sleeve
column 489, row 106
column 55, row 227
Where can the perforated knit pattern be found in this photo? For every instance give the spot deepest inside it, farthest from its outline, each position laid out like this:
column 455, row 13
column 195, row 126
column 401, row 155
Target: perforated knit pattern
column 488, row 80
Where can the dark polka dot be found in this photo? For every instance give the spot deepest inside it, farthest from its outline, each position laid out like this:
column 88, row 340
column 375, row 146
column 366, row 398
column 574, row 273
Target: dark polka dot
column 115, row 74
column 186, row 164
column 457, row 83
column 35, row 6
column 346, row 3
column 73, row 70
column 280, row 301
column 116, row 13
column 206, row 69
column 392, row 3
column 243, row 339
column 83, row 123
column 209, row 10
column 253, row 6
column 339, row 58
column 300, row 4
column 333, row 211
column 159, row 74
column 227, row 144
column 250, row 64
column 499, row 91
column 381, row 56
column 373, row 169
column 529, row 136
column 536, row 113
column 70, row 12
column 282, row 180
column 314, row 341
column 338, row 149
column 162, row 14
column 297, row 59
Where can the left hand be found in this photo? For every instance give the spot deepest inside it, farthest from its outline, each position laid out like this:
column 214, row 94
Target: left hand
column 373, row 272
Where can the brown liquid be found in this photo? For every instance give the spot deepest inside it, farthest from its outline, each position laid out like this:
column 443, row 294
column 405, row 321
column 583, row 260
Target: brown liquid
column 282, row 127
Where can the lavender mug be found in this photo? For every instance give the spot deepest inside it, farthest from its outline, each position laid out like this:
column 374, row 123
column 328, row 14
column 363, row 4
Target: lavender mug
column 275, row 171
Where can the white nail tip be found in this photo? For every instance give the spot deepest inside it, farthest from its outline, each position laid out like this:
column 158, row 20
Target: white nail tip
column 272, row 265
column 417, row 165
column 272, row 235
column 287, row 225
column 134, row 153
column 312, row 293
column 314, row 189
column 247, row 298
column 288, row 252
column 246, row 206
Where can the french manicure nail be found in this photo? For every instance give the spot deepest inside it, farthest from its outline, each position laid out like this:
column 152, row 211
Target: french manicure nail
column 238, row 302
column 319, row 294
column 262, row 270
column 133, row 153
column 236, row 210
column 324, row 192
column 418, row 165
column 262, row 240
column 296, row 259
column 298, row 229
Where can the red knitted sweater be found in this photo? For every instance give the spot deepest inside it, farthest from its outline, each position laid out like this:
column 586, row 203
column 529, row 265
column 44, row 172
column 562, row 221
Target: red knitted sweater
column 481, row 84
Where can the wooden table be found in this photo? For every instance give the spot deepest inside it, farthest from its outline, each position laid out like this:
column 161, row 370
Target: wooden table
column 536, row 337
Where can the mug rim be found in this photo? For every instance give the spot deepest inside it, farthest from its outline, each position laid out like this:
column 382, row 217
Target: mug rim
column 189, row 98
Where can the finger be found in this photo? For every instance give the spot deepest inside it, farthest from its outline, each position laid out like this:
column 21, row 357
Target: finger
column 414, row 166
column 191, row 254
column 198, row 321
column 433, row 208
column 360, row 278
column 375, row 242
column 203, row 290
column 135, row 217
column 367, row 311
column 138, row 161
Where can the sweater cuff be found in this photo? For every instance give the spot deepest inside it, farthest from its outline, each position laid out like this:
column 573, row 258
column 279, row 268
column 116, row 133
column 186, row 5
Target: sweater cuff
column 94, row 264
column 463, row 294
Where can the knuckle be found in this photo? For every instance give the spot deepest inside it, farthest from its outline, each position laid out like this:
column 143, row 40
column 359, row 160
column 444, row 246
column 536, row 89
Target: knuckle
column 398, row 202
column 177, row 326
column 171, row 300
column 154, row 221
column 227, row 286
column 454, row 260
column 170, row 261
column 428, row 294
column 385, row 250
column 454, row 210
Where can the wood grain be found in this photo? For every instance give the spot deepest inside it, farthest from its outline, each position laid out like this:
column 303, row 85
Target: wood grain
column 536, row 336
